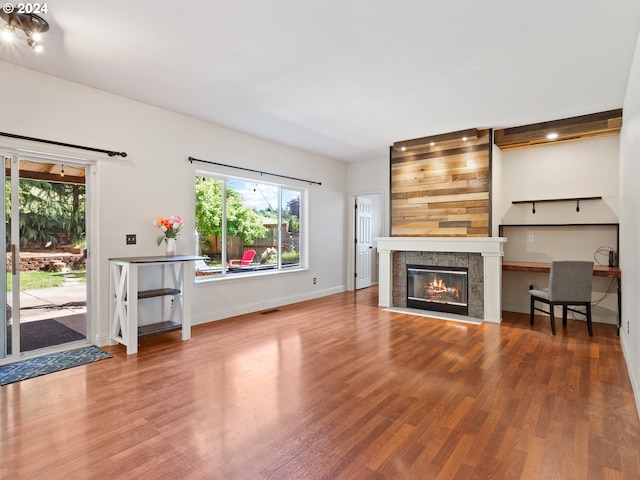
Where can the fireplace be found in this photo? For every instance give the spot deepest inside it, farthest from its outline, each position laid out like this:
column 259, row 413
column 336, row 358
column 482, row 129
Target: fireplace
column 437, row 288
column 481, row 255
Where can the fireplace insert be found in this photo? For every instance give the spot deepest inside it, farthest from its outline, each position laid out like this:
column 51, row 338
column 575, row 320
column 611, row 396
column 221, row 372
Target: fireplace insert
column 438, row 288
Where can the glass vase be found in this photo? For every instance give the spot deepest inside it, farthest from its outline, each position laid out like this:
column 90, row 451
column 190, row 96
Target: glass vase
column 170, row 247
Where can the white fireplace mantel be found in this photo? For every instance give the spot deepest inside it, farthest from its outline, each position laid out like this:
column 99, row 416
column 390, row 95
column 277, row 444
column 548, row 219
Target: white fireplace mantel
column 491, row 249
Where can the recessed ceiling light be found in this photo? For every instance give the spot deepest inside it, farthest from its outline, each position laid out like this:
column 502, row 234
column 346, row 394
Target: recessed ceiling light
column 552, row 136
column 403, row 149
column 432, row 144
column 464, row 139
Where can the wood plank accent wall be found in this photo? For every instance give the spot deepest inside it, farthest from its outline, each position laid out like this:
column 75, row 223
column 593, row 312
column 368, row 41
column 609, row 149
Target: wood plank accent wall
column 442, row 190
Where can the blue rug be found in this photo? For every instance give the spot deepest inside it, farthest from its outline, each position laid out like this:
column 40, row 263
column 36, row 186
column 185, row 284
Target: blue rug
column 54, row 362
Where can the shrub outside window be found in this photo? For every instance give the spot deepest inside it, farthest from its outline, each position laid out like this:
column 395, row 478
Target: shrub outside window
column 244, row 226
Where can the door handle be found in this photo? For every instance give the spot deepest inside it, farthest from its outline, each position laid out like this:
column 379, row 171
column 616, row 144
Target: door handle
column 14, row 260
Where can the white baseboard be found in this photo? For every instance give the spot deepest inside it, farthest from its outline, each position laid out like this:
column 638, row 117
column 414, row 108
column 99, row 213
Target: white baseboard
column 259, row 306
column 633, row 375
column 101, row 340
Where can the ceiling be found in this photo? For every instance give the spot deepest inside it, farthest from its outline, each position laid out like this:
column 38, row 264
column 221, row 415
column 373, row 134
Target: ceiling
column 347, row 79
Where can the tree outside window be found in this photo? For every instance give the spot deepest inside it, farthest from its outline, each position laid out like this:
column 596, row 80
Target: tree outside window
column 50, row 212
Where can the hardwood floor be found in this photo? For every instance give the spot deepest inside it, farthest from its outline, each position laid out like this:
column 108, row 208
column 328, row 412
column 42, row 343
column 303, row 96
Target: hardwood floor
column 334, row 388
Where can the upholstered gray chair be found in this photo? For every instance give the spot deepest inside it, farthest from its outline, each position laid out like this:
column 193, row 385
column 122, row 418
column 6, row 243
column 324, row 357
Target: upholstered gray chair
column 569, row 286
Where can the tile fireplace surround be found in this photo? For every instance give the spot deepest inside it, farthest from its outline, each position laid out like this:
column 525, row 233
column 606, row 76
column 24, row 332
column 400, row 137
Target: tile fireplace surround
column 490, row 248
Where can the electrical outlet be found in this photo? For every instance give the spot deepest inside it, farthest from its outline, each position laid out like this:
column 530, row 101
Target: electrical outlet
column 314, row 280
column 131, row 239
column 532, row 238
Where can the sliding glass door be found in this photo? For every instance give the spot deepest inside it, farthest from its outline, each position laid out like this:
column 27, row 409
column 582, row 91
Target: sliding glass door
column 45, row 253
column 4, row 317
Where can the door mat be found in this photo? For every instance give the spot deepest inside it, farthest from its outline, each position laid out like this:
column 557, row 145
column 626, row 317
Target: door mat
column 44, row 333
column 54, row 362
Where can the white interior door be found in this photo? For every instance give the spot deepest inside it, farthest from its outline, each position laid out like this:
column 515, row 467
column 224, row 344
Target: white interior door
column 364, row 242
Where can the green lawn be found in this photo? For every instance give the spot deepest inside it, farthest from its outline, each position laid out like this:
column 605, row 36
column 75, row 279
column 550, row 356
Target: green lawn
column 31, row 280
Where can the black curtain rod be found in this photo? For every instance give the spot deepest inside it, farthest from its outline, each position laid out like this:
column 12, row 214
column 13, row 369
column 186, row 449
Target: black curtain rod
column 191, row 159
column 61, row 144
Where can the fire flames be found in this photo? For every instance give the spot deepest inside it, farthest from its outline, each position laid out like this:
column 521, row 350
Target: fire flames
column 439, row 291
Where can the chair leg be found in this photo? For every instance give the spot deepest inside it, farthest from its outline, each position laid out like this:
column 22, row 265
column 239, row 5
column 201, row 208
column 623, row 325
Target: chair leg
column 552, row 318
column 564, row 315
column 533, row 299
column 589, row 325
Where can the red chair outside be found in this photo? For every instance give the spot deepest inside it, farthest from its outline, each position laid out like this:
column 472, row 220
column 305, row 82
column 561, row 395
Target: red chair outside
column 247, row 257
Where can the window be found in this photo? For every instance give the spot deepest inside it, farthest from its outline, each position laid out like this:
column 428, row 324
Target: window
column 245, row 227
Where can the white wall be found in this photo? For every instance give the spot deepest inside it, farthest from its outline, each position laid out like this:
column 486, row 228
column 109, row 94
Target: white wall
column 630, row 225
column 371, row 176
column 368, row 178
column 587, row 168
column 156, row 179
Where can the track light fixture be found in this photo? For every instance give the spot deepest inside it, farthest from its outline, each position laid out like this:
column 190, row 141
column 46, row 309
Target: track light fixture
column 8, row 33
column 31, row 24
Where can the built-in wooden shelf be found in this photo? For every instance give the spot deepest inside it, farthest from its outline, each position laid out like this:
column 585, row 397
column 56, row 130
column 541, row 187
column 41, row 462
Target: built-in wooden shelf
column 547, row 200
column 573, row 199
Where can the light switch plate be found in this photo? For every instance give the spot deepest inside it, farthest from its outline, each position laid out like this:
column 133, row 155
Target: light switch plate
column 131, row 239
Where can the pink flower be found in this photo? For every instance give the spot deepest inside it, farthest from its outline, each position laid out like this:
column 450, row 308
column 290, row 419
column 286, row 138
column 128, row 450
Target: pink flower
column 171, row 226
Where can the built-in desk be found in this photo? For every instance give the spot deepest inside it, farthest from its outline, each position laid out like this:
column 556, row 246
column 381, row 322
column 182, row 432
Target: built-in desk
column 125, row 295
column 598, row 271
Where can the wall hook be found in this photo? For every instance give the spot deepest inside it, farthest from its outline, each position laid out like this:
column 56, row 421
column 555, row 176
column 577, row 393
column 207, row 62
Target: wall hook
column 577, row 205
column 534, row 207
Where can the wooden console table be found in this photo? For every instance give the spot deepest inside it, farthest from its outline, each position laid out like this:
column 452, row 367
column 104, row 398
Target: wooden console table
column 598, row 271
column 124, row 294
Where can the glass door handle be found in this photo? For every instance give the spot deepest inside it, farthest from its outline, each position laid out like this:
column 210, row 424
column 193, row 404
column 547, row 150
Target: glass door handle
column 14, row 260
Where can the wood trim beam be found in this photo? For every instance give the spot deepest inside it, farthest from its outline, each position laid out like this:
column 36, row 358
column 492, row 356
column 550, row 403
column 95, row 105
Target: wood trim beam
column 470, row 134
column 48, row 177
column 568, row 129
